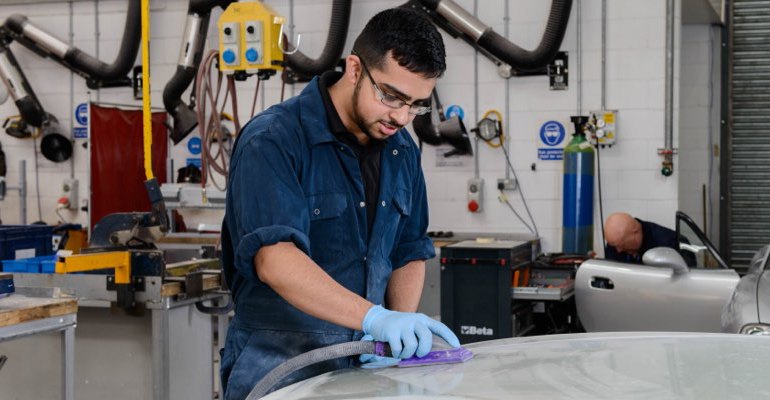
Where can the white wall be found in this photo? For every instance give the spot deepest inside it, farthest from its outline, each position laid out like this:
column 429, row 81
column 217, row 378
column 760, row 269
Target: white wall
column 635, row 86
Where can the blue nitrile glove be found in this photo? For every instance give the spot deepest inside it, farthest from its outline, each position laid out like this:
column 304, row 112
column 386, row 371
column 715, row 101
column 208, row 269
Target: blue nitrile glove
column 414, row 330
column 374, row 361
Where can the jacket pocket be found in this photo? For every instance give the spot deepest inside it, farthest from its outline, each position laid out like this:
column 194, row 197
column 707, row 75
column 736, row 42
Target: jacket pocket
column 326, row 205
column 402, row 200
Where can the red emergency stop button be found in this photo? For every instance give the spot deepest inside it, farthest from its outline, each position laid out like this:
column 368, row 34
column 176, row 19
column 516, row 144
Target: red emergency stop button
column 473, row 206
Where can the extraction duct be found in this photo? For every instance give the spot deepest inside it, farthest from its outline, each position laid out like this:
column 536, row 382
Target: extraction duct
column 458, row 22
column 96, row 73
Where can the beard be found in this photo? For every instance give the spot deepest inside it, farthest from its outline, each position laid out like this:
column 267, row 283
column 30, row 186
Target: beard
column 359, row 120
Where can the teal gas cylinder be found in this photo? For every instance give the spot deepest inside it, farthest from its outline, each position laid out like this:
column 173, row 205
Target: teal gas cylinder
column 578, row 193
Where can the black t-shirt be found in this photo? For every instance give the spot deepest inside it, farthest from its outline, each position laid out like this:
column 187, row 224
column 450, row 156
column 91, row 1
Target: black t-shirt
column 653, row 235
column 368, row 156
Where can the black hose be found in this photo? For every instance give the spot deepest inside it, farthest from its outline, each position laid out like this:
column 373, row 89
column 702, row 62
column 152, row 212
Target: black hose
column 126, row 57
column 96, row 71
column 456, row 21
column 24, row 97
column 523, row 60
column 3, row 166
column 185, row 119
column 340, row 350
column 335, row 43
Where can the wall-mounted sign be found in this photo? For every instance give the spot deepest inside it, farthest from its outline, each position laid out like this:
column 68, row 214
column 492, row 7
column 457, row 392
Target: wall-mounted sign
column 552, row 134
column 194, row 145
column 453, row 110
column 81, row 114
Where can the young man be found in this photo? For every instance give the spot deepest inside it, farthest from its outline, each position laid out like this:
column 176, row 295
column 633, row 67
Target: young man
column 628, row 238
column 324, row 238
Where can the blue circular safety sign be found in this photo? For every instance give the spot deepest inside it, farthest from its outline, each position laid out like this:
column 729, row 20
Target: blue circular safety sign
column 453, row 110
column 81, row 114
column 194, row 145
column 552, row 133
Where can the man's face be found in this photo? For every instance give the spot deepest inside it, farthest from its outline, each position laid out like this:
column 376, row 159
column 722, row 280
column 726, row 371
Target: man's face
column 376, row 119
column 629, row 243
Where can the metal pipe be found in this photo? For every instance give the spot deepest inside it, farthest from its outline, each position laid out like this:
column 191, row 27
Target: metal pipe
column 464, row 21
column 669, row 100
column 579, row 61
column 71, row 36
column 475, row 91
column 22, row 188
column 667, row 168
column 506, row 143
column 97, row 38
column 604, row 55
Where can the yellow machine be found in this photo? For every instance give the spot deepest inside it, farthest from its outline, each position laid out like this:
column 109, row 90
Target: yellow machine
column 120, row 261
column 250, row 37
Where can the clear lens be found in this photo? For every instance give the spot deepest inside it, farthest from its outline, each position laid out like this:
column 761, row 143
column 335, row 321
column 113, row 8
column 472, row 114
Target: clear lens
column 395, row 102
column 388, row 100
column 756, row 329
column 419, row 110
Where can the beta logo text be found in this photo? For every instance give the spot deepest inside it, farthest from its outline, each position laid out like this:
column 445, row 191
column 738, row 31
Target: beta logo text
column 475, row 330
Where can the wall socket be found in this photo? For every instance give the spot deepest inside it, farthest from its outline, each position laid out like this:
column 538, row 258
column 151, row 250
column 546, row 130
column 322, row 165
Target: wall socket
column 507, row 184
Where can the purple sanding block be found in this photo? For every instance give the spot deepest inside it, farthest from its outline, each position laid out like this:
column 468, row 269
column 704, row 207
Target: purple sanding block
column 451, row 356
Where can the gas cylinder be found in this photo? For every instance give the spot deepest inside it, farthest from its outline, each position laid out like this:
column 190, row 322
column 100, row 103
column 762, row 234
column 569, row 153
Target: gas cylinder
column 578, row 192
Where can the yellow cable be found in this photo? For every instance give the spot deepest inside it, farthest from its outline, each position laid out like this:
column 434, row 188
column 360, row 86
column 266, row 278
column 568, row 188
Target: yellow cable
column 499, row 117
column 146, row 108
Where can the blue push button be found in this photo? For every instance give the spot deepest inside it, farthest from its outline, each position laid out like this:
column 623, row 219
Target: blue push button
column 228, row 56
column 252, row 55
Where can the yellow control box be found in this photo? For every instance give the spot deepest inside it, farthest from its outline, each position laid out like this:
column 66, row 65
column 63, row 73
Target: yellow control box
column 249, row 36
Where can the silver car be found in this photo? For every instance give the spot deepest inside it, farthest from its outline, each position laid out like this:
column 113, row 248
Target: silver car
column 748, row 310
column 577, row 366
column 665, row 294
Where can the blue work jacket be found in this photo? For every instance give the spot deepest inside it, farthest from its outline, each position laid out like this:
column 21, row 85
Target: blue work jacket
column 653, row 235
column 292, row 180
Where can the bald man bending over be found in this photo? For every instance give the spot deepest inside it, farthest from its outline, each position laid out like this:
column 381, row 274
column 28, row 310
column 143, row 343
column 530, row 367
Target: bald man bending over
column 628, row 238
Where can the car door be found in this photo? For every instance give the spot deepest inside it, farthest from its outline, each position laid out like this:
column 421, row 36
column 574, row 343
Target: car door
column 667, row 296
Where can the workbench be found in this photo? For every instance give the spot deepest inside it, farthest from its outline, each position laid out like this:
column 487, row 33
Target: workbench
column 22, row 316
column 164, row 353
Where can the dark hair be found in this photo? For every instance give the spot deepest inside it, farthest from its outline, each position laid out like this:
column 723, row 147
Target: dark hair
column 411, row 38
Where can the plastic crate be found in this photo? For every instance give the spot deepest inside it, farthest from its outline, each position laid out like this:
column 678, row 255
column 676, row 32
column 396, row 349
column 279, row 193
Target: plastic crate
column 48, row 264
column 25, row 241
column 44, row 264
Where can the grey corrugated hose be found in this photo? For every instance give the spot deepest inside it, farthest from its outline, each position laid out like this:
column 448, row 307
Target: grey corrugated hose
column 311, row 357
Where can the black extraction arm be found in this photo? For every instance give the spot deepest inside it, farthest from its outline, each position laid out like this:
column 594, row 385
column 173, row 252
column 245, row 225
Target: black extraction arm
column 335, row 43
column 97, row 73
column 190, row 55
column 456, row 21
column 29, row 106
column 447, row 130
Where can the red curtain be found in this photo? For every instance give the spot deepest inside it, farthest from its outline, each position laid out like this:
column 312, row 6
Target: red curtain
column 117, row 160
